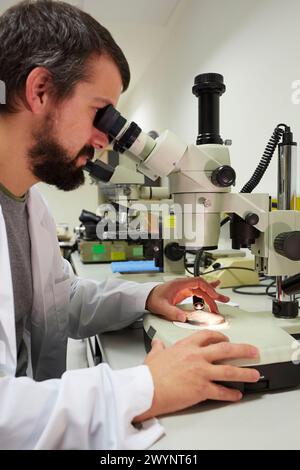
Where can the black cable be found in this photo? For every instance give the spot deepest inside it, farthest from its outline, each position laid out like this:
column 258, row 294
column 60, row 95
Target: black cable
column 197, row 262
column 191, row 252
column 225, row 220
column 190, row 272
column 272, row 294
column 238, row 290
column 197, row 273
column 186, row 267
column 227, row 268
column 265, row 159
column 263, row 164
column 234, row 289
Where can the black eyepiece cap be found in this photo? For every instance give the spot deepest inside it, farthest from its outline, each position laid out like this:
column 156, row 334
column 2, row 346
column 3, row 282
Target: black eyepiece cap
column 109, row 121
column 209, row 82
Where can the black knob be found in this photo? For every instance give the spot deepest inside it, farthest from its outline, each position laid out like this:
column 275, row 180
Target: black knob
column 223, row 176
column 252, row 219
column 174, row 252
column 287, row 244
column 216, row 265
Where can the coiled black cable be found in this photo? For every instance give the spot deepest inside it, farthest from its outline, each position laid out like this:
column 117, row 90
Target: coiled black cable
column 197, row 262
column 263, row 164
column 265, row 159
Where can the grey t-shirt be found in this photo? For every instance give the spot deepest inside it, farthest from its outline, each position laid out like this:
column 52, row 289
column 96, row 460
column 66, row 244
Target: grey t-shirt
column 16, row 220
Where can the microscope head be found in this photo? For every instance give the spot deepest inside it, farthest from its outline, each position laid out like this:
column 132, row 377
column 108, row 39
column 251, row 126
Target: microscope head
column 198, row 174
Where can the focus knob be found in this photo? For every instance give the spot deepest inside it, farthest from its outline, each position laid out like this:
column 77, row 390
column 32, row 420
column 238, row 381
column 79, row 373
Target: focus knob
column 287, row 244
column 223, row 176
column 252, row 218
column 173, row 251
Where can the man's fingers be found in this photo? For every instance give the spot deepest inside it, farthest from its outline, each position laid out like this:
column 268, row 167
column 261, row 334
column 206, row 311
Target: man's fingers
column 228, row 373
column 218, row 392
column 156, row 346
column 226, row 350
column 197, row 283
column 197, row 287
column 208, row 288
column 223, row 298
column 172, row 313
column 205, row 338
column 176, row 314
column 217, row 296
column 214, row 284
column 213, row 308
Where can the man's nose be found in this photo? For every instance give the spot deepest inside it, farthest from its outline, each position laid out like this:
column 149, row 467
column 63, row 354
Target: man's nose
column 99, row 140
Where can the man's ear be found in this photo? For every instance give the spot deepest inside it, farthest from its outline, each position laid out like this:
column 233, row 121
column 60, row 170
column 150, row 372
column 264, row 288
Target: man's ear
column 38, row 88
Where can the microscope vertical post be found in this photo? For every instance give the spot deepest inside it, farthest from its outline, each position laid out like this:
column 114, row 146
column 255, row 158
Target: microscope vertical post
column 286, row 194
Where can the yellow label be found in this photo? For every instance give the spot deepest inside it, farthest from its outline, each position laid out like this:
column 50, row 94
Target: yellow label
column 274, row 201
column 170, row 221
column 118, row 256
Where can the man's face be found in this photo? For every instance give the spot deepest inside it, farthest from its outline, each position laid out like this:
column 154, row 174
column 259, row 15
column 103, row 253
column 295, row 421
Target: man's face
column 65, row 138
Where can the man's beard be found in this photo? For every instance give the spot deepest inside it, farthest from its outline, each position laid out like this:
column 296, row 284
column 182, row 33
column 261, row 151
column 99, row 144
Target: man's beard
column 51, row 163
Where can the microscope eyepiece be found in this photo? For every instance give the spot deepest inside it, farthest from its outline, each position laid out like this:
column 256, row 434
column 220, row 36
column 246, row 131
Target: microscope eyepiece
column 109, row 121
column 124, row 135
column 112, row 123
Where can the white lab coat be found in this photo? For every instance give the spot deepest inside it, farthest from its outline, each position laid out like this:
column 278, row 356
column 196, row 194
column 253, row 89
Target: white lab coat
column 81, row 409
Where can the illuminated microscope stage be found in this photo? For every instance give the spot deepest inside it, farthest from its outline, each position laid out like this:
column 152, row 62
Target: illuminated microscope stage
column 279, row 351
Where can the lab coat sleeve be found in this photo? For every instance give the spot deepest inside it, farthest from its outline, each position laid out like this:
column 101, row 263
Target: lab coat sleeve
column 85, row 409
column 98, row 307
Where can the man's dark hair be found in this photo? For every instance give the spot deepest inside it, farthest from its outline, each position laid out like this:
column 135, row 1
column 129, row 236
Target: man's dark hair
column 55, row 35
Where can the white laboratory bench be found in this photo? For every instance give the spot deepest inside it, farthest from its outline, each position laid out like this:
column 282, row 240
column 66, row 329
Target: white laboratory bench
column 258, row 421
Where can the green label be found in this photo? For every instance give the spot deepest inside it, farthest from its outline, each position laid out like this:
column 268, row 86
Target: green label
column 138, row 251
column 98, row 249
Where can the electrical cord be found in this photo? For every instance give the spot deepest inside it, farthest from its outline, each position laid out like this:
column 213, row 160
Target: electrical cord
column 239, row 289
column 197, row 262
column 263, row 163
column 186, row 266
column 265, row 159
column 268, row 293
column 225, row 220
column 227, row 268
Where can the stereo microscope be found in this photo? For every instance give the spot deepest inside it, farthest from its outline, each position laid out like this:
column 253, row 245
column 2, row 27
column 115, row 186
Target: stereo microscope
column 201, row 178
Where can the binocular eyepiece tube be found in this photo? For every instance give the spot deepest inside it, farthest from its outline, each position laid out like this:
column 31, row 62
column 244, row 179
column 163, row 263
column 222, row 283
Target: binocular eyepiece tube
column 125, row 136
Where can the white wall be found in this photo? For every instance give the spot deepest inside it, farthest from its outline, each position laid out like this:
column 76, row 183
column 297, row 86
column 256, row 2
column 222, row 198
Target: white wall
column 66, row 206
column 256, row 46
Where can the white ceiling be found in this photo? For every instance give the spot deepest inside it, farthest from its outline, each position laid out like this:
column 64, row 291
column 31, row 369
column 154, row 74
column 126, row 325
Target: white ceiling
column 151, row 12
column 139, row 26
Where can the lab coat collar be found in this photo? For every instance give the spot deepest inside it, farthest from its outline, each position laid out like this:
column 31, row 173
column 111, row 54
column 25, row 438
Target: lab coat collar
column 41, row 262
column 41, row 249
column 7, row 317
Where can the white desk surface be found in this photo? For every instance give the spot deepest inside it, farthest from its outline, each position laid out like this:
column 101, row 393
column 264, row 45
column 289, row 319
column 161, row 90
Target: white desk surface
column 259, row 421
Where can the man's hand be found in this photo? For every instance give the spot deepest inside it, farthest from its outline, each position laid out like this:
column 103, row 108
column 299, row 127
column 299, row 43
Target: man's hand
column 184, row 374
column 162, row 299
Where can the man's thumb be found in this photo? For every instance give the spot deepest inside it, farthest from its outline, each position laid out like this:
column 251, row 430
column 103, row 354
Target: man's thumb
column 157, row 345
